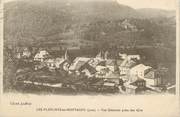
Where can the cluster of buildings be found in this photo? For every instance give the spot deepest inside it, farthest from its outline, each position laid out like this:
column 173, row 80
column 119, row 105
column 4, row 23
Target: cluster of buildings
column 135, row 76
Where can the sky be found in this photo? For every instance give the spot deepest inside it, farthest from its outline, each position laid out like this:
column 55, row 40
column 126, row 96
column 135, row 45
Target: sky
column 160, row 4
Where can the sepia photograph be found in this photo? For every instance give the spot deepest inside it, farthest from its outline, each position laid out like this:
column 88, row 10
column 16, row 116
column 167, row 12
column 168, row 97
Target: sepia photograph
column 89, row 58
column 89, row 47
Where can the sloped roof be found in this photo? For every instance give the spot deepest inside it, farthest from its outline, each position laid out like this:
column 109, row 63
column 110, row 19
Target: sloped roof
column 50, row 60
column 78, row 63
column 59, row 60
column 91, row 69
column 95, row 61
column 42, row 54
column 141, row 66
column 150, row 74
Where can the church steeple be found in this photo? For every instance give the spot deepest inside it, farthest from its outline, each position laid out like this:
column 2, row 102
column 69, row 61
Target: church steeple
column 106, row 55
column 66, row 56
column 100, row 55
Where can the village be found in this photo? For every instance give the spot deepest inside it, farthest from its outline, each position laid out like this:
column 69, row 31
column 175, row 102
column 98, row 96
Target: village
column 124, row 74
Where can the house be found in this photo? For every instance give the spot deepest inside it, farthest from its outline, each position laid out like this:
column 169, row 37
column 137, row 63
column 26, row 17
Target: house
column 58, row 62
column 65, row 65
column 50, row 63
column 125, row 66
column 81, row 65
column 96, row 61
column 41, row 56
column 153, row 78
column 104, row 73
column 140, row 83
column 78, row 63
column 88, row 70
column 40, row 66
column 124, row 70
column 130, row 89
column 102, row 69
column 130, row 57
column 26, row 53
column 127, row 25
column 135, row 87
column 113, row 64
column 141, row 86
column 138, row 71
column 64, row 61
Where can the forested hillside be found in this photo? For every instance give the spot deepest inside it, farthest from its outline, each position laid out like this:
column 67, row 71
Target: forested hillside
column 31, row 22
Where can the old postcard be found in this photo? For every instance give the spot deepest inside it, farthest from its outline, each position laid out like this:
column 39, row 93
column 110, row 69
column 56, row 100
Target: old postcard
column 89, row 58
